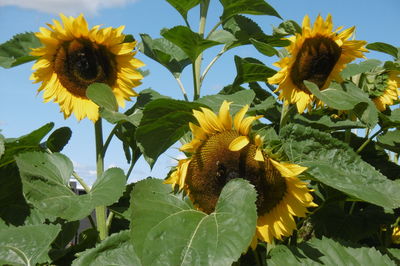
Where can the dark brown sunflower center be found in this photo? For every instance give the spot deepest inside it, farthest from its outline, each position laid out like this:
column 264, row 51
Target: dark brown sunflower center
column 213, row 165
column 79, row 63
column 315, row 61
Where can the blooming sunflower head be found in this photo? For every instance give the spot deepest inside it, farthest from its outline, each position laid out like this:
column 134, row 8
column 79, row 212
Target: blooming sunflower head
column 318, row 54
column 222, row 149
column 382, row 87
column 74, row 56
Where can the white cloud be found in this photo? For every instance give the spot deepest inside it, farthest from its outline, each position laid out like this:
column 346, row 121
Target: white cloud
column 67, row 7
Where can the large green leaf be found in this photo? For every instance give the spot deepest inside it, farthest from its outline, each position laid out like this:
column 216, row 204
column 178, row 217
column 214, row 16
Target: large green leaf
column 252, row 7
column 117, row 249
column 264, row 48
column 102, row 95
column 392, row 120
column 167, row 230
column 45, row 179
column 326, row 122
column 164, row 122
column 326, row 251
column 165, row 52
column 364, row 66
column 335, row 164
column 17, row 50
column 190, row 42
column 183, row 6
column 390, row 140
column 384, row 48
column 26, row 245
column 58, row 139
column 250, row 70
column 238, row 99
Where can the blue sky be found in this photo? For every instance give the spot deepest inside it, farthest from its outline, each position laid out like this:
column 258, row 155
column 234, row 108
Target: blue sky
column 22, row 110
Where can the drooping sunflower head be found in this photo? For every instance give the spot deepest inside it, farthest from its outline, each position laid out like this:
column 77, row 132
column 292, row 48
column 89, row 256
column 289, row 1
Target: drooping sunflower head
column 74, row 56
column 382, row 87
column 318, row 54
column 223, row 148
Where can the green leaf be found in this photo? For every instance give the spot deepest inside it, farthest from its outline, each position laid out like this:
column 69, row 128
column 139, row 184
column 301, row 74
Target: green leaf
column 333, row 163
column 102, row 95
column 193, row 44
column 392, row 120
column 252, row 7
column 288, row 27
column 326, row 251
column 390, row 140
column 384, row 48
column 116, row 249
column 58, row 139
column 164, row 52
column 354, row 69
column 26, row 245
column 264, row 48
column 222, row 36
column 243, row 29
column 325, row 122
column 183, row 6
column 1, row 145
column 164, row 122
column 45, row 179
column 200, row 239
column 17, row 50
column 250, row 70
column 238, row 99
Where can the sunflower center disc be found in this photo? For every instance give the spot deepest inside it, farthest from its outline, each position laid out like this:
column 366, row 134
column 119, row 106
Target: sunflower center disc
column 315, row 61
column 214, row 165
column 80, row 63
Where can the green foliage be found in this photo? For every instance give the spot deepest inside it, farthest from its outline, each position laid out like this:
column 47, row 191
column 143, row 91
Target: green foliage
column 253, row 7
column 288, row 27
column 26, row 245
column 164, row 122
column 238, row 99
column 193, row 44
column 326, row 251
column 102, row 95
column 250, row 70
column 390, row 140
column 364, row 66
column 200, row 239
column 117, row 249
column 58, row 139
column 45, row 179
column 1, row 145
column 333, row 163
column 17, row 50
column 384, row 48
column 183, row 6
column 264, row 48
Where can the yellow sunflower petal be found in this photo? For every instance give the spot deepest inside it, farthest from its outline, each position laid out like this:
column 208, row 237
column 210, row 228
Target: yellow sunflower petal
column 224, row 115
column 239, row 143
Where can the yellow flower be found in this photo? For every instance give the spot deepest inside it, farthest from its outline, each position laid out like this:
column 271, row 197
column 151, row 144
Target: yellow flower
column 74, row 56
column 390, row 92
column 318, row 55
column 222, row 149
column 396, row 235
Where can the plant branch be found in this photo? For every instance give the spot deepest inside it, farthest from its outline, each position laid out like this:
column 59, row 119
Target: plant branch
column 223, row 50
column 182, row 88
column 369, row 140
column 81, row 181
column 214, row 28
column 108, row 140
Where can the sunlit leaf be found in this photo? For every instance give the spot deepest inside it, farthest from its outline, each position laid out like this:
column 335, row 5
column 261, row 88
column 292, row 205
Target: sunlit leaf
column 167, row 230
column 326, row 251
column 364, row 66
column 117, row 249
column 250, row 70
column 17, row 50
column 164, row 52
column 45, row 179
column 384, row 48
column 164, row 122
column 222, row 36
column 102, row 95
column 183, row 6
column 326, row 122
column 288, row 27
column 252, row 7
column 264, row 48
column 335, row 164
column 26, row 245
column 190, row 42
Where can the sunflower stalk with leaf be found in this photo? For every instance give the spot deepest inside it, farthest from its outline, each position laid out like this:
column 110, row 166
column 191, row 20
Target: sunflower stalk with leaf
column 275, row 169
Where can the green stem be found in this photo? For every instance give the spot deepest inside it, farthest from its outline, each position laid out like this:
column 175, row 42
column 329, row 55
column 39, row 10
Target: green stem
column 347, row 136
column 182, row 88
column 369, row 140
column 108, row 140
column 80, row 180
column 197, row 64
column 92, row 223
column 130, row 169
column 284, row 115
column 214, row 29
column 100, row 210
column 109, row 220
column 211, row 63
column 257, row 258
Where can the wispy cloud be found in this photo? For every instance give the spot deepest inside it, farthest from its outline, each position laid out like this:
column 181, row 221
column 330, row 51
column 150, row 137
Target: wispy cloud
column 67, row 7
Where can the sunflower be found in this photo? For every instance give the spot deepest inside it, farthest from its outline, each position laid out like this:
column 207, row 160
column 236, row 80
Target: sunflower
column 318, row 54
column 384, row 91
column 74, row 56
column 222, row 149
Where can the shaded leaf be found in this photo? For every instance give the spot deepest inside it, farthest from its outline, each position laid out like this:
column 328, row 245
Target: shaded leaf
column 102, row 95
column 45, row 179
column 288, row 27
column 335, row 164
column 116, row 249
column 192, row 43
column 164, row 122
column 58, row 139
column 200, row 239
column 250, row 70
column 390, row 140
column 384, row 48
column 183, row 6
column 264, row 48
column 252, row 7
column 165, row 52
column 17, row 50
column 392, row 120
column 26, row 245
